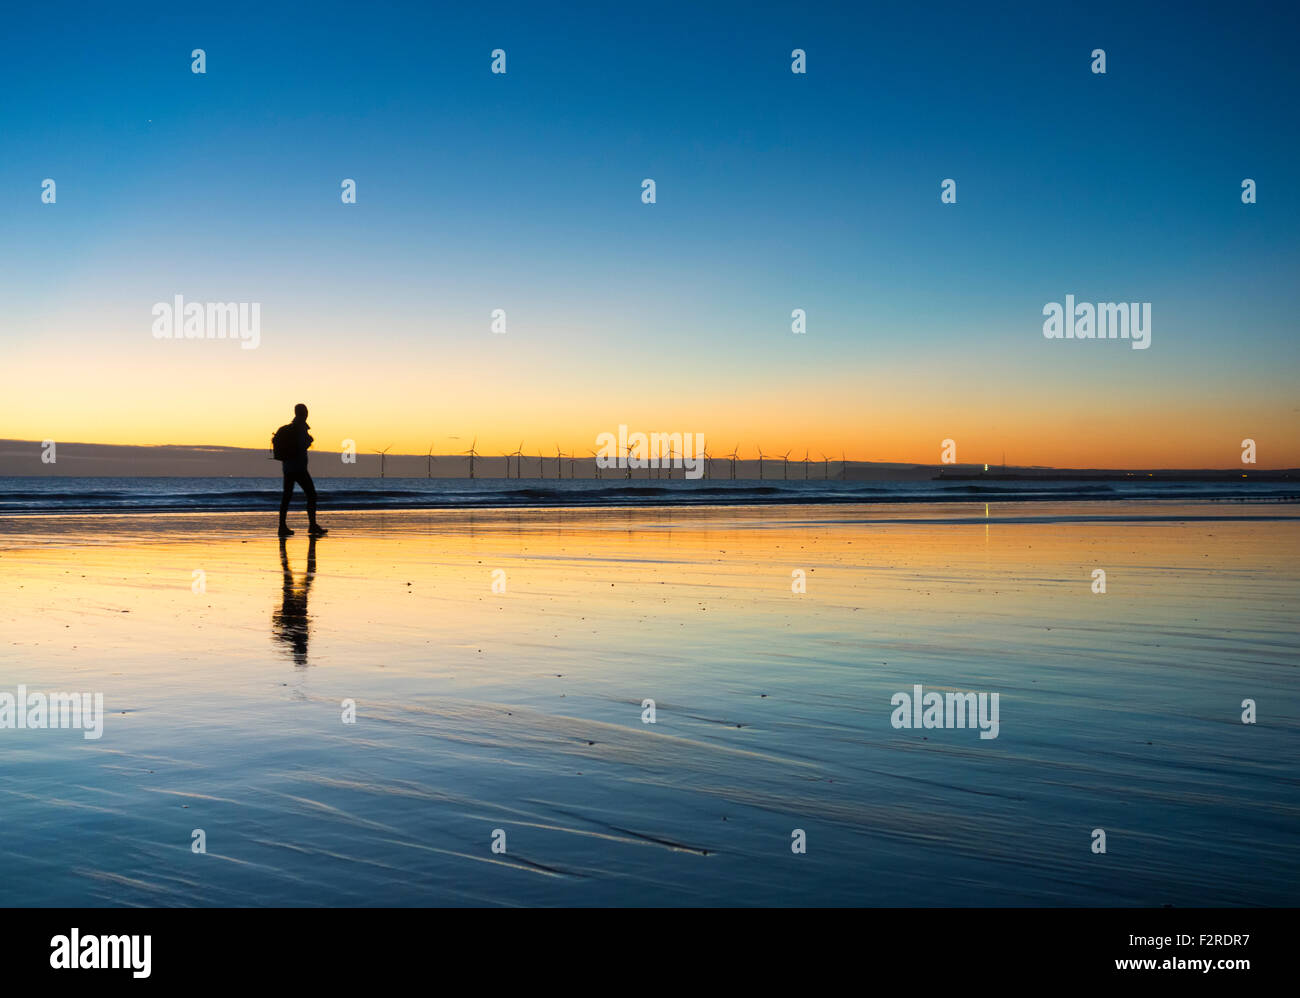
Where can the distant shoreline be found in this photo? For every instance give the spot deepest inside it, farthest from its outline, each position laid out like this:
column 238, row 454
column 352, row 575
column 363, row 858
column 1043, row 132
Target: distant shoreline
column 23, row 458
column 1282, row 475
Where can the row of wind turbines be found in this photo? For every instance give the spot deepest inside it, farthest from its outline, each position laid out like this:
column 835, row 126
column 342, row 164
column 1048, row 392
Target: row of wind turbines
column 517, row 455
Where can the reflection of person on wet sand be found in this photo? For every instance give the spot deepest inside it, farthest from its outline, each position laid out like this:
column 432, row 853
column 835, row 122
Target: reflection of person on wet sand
column 290, row 623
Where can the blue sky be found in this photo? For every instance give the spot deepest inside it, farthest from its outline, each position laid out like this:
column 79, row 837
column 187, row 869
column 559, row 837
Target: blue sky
column 775, row 191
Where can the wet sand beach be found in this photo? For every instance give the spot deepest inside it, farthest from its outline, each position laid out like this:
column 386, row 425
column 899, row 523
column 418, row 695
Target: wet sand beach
column 224, row 662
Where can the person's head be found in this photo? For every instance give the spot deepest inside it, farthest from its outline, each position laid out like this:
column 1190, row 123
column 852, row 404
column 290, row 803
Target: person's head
column 300, row 411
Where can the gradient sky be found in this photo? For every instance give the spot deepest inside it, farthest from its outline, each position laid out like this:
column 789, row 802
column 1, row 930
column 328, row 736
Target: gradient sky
column 775, row 191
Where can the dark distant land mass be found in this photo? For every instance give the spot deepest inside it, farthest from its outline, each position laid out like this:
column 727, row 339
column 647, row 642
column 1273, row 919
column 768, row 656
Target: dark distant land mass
column 85, row 460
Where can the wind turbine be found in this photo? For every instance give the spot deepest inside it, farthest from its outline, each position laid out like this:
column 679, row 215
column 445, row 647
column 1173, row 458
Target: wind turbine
column 381, row 454
column 844, row 467
column 629, row 462
column 518, row 455
column 594, row 461
column 761, row 455
column 805, row 465
column 559, row 467
column 429, row 466
column 706, row 462
column 785, row 468
column 826, row 467
column 472, row 454
column 735, row 453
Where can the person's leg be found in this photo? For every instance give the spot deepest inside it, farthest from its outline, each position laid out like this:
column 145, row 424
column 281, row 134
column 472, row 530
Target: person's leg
column 285, row 496
column 309, row 490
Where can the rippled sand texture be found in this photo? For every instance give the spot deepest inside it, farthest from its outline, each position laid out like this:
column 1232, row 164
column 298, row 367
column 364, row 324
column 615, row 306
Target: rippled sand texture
column 522, row 710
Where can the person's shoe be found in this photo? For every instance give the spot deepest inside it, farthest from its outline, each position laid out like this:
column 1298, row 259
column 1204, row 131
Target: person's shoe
column 316, row 530
column 285, row 531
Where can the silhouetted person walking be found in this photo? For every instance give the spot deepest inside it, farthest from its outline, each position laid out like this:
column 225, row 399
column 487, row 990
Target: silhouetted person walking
column 289, row 445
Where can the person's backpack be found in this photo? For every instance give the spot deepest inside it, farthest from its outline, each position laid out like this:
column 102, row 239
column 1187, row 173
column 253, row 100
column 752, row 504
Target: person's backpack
column 282, row 443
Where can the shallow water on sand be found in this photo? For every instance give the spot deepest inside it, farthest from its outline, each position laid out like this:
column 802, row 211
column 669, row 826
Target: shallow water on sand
column 522, row 711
